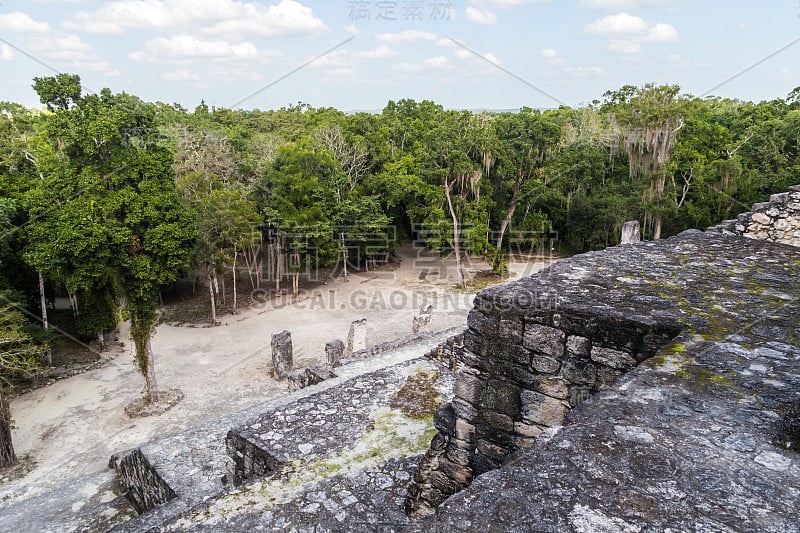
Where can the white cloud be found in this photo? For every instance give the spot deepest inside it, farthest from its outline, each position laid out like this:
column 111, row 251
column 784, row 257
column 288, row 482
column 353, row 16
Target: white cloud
column 480, row 16
column 491, row 58
column 663, row 33
column 583, row 72
column 380, row 52
column 227, row 18
column 463, row 54
column 502, row 4
column 351, row 28
column 19, row 22
column 6, row 54
column 557, row 62
column 548, row 53
column 188, row 47
column 432, row 63
column 181, row 75
column 619, row 46
column 339, row 72
column 444, row 41
column 91, row 65
column 628, row 32
column 624, row 4
column 620, row 24
column 408, row 36
column 436, row 62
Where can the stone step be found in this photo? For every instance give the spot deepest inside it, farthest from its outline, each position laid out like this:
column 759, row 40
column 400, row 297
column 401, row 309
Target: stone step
column 307, row 426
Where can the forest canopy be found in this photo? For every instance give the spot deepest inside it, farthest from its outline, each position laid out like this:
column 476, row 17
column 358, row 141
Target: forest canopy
column 105, row 198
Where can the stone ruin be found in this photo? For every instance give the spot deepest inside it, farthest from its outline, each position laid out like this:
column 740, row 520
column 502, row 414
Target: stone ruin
column 776, row 221
column 422, row 321
column 631, row 232
column 357, row 338
column 282, row 355
column 646, row 387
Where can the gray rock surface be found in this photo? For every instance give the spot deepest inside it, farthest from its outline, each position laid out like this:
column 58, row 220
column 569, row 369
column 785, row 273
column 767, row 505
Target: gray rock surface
column 682, row 442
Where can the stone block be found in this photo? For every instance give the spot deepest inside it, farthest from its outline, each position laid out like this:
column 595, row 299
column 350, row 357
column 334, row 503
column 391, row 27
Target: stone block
column 357, row 336
column 527, row 430
column 510, row 331
column 493, row 451
column 501, row 397
column 486, row 326
column 421, row 323
column 545, row 364
column 553, row 387
column 614, row 358
column 334, row 351
column 543, row 410
column 578, row 346
column 498, row 420
column 579, row 372
column 282, row 356
column 631, row 232
column 464, row 410
column 469, row 388
column 761, row 218
column 544, row 340
column 464, row 431
column 444, row 419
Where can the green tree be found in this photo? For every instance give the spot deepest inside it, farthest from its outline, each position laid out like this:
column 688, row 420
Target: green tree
column 119, row 221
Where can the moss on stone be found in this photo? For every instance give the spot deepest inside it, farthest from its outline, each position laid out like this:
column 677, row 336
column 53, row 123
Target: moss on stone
column 418, row 397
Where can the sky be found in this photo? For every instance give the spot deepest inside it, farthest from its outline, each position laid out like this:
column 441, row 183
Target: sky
column 358, row 55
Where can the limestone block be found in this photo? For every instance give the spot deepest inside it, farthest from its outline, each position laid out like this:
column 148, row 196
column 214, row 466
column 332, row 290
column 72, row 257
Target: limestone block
column 544, row 340
column 545, row 364
column 469, row 388
column 540, row 409
column 553, row 387
column 510, row 331
column 761, row 218
column 357, row 336
column 631, row 232
column 334, row 351
column 464, row 430
column 613, row 358
column 578, row 346
column 282, row 357
column 579, row 372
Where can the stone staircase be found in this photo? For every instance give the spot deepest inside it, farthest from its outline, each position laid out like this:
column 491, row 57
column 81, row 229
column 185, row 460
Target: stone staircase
column 776, row 221
column 340, row 453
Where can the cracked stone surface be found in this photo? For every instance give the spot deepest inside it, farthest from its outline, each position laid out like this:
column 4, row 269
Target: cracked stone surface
column 686, row 440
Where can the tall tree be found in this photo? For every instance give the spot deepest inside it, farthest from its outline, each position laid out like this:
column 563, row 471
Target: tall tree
column 119, row 222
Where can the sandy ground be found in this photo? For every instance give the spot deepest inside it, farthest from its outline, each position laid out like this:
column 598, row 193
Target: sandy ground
column 72, row 427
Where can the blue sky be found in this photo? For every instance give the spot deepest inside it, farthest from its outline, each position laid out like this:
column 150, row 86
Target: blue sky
column 509, row 53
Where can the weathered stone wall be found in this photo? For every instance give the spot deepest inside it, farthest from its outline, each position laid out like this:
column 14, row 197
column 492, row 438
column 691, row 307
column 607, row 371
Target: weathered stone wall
column 696, row 438
column 450, row 353
column 776, row 221
column 144, row 486
column 523, row 370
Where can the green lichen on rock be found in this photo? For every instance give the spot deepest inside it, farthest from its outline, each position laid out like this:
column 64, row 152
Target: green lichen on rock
column 418, row 397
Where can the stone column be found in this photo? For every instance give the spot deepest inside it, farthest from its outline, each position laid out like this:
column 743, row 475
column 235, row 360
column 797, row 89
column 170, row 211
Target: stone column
column 282, row 358
column 357, row 337
column 334, row 351
column 631, row 232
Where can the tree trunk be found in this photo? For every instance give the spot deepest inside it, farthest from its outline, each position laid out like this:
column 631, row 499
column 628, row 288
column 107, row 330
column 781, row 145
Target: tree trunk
column 456, row 235
column 344, row 253
column 150, row 376
column 504, row 226
column 278, row 269
column 7, row 455
column 216, row 286
column 43, row 302
column 235, row 255
column 211, row 295
column 101, row 340
column 656, row 227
